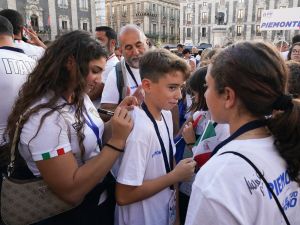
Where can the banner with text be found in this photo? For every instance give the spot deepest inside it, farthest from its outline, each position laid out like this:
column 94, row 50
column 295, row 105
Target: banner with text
column 280, row 19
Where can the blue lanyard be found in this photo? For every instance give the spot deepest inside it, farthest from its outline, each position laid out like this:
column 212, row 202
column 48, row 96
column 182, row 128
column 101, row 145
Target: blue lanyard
column 94, row 128
column 168, row 165
column 243, row 129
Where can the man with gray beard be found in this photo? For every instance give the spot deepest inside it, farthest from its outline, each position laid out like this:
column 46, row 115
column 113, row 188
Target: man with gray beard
column 133, row 44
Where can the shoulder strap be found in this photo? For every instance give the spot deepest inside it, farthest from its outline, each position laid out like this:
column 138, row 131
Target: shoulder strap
column 120, row 80
column 264, row 180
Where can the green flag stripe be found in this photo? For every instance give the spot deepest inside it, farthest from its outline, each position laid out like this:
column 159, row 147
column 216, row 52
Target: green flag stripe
column 46, row 155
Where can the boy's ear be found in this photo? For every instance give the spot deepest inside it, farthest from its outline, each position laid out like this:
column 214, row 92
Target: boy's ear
column 146, row 85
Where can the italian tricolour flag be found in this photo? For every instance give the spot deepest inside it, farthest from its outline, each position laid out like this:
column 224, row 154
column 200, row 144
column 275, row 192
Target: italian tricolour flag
column 205, row 144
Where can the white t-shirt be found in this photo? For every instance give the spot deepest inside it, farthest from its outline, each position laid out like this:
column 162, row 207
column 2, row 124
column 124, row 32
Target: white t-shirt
column 57, row 134
column 143, row 160
column 14, row 68
column 110, row 92
column 109, row 66
column 33, row 51
column 227, row 189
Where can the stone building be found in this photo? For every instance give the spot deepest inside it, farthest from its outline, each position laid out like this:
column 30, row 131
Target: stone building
column 220, row 21
column 158, row 18
column 100, row 12
column 51, row 18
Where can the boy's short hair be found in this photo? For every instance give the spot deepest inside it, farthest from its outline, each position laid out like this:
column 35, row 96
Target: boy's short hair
column 15, row 18
column 185, row 51
column 155, row 64
column 5, row 27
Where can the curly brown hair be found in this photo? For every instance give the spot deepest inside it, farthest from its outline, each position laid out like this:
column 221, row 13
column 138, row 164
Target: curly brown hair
column 51, row 76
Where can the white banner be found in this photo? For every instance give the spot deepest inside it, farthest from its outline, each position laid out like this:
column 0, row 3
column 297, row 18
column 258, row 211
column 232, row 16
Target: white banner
column 280, row 19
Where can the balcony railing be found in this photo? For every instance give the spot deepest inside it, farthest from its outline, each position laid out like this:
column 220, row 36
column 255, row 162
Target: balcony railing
column 146, row 12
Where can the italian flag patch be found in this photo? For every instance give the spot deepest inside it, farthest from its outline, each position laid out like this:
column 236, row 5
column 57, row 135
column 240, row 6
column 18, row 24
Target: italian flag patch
column 51, row 154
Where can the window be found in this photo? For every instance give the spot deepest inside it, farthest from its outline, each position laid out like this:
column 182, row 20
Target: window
column 240, row 14
column 164, row 11
column 34, row 21
column 154, row 29
column 124, row 8
column 172, row 12
column 204, row 3
column 164, row 30
column 62, row 3
column 113, row 10
column 138, row 7
column 172, row 30
column 203, row 33
column 238, row 30
column 154, row 7
column 83, row 4
column 64, row 25
column 84, row 26
column 258, row 14
column 204, row 17
column 257, row 30
column 189, row 17
column 189, row 32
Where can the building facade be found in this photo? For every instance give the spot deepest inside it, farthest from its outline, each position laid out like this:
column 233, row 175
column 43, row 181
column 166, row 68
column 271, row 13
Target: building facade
column 52, row 18
column 100, row 13
column 158, row 18
column 221, row 21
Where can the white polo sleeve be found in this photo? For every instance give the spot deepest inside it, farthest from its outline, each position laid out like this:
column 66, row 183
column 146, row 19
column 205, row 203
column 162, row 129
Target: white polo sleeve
column 110, row 92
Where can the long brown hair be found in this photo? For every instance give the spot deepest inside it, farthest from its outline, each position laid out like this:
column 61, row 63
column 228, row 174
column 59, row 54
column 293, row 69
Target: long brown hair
column 258, row 75
column 52, row 76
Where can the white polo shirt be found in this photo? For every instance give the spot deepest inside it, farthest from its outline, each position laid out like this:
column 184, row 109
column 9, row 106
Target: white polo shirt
column 14, row 69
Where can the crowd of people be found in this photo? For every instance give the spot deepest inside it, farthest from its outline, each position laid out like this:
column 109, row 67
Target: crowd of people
column 132, row 134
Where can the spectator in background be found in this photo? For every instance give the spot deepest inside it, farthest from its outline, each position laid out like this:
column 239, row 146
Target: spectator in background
column 179, row 50
column 207, row 54
column 133, row 44
column 191, row 61
column 14, row 68
column 108, row 39
column 294, row 53
column 36, row 48
column 118, row 53
column 283, row 48
column 296, row 39
column 294, row 78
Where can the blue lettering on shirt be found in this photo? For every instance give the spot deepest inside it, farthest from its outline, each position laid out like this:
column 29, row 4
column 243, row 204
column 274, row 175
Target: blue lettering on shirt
column 158, row 152
column 279, row 183
column 133, row 87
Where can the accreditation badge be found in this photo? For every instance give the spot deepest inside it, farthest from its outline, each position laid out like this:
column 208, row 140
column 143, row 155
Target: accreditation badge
column 172, row 208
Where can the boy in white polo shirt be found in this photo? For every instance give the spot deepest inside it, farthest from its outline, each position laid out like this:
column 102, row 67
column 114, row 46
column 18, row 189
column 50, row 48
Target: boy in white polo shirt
column 145, row 188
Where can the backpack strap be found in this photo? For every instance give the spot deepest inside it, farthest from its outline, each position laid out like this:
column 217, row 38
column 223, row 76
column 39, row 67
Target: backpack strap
column 120, row 80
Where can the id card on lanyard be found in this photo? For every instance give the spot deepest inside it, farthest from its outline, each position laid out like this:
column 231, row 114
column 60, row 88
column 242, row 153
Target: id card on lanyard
column 168, row 164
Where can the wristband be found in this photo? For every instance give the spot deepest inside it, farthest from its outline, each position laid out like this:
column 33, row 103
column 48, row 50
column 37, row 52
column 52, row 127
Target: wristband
column 114, row 148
